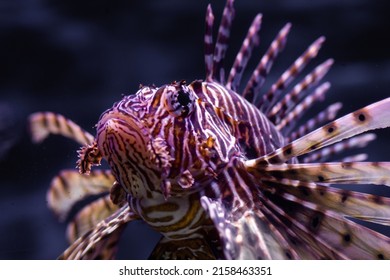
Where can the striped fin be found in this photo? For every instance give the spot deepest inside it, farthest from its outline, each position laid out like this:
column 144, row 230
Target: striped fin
column 271, row 97
column 263, row 237
column 293, row 117
column 251, row 40
column 221, row 44
column 301, row 236
column 244, row 236
column 208, row 44
column 349, row 203
column 298, row 240
column 88, row 217
column 44, row 123
column 69, row 187
column 255, row 227
column 374, row 116
column 255, row 237
column 329, row 114
column 377, row 173
column 244, row 231
column 291, row 99
column 360, row 141
column 219, row 215
column 101, row 241
column 346, row 238
column 256, row 81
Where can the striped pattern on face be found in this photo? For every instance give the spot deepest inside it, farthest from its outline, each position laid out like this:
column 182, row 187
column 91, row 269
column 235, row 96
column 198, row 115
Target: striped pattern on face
column 162, row 145
column 163, row 137
column 169, row 136
column 124, row 147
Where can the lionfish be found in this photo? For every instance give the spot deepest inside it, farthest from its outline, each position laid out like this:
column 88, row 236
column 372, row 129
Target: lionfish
column 218, row 170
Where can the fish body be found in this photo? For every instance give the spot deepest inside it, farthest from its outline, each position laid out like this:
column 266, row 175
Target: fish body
column 172, row 154
column 219, row 169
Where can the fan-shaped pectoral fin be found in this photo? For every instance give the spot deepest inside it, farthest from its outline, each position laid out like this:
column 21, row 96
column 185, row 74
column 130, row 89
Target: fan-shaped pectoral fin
column 42, row 124
column 101, row 241
column 70, row 187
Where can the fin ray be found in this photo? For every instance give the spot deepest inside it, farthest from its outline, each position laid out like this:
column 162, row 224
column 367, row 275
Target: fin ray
column 88, row 217
column 374, row 116
column 44, row 123
column 101, row 241
column 70, row 186
column 377, row 173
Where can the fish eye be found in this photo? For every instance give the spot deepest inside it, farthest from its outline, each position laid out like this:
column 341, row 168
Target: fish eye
column 179, row 100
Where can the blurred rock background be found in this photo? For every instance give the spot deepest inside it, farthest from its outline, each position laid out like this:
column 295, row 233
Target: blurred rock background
column 78, row 57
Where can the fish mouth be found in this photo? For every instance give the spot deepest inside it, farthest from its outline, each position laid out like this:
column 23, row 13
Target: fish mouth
column 123, row 143
column 121, row 136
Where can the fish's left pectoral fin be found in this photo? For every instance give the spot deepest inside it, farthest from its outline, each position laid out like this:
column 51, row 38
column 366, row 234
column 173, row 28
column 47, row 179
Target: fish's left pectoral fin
column 69, row 187
column 42, row 124
column 89, row 216
column 101, row 241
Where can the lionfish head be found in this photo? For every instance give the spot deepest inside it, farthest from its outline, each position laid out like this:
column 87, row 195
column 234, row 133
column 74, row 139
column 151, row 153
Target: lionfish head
column 164, row 139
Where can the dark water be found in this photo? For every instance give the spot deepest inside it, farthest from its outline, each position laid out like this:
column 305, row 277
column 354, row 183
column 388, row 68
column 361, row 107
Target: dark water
column 78, row 57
